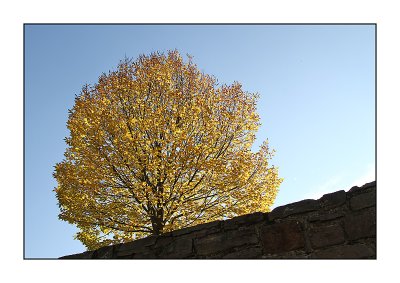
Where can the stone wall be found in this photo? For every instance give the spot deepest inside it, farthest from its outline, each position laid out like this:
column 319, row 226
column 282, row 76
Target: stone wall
column 338, row 225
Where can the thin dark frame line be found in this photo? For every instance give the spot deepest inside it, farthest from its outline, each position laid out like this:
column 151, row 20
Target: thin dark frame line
column 376, row 128
column 202, row 24
column 23, row 142
column 231, row 24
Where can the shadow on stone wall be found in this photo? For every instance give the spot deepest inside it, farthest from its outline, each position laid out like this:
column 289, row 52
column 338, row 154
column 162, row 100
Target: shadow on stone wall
column 339, row 225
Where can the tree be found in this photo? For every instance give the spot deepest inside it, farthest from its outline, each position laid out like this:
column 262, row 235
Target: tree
column 156, row 146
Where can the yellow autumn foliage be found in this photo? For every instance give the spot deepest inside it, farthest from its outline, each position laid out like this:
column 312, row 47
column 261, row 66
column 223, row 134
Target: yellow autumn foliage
column 157, row 146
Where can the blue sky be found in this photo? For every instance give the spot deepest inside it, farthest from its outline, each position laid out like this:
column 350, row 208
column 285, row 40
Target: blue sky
column 317, row 101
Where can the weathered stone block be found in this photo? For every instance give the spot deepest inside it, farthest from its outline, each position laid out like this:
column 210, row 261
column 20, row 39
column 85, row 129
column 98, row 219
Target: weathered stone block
column 356, row 251
column 354, row 189
column 134, row 247
column 326, row 216
column 364, row 200
column 282, row 237
column 202, row 228
column 148, row 241
column 244, row 219
column 125, row 257
column 180, row 247
column 219, row 242
column 333, row 199
column 294, row 208
column 104, row 252
column 360, row 225
column 245, row 253
column 326, row 235
column 367, row 186
column 126, row 253
column 163, row 241
column 145, row 255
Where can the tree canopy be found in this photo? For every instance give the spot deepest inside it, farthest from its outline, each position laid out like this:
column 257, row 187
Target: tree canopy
column 157, row 145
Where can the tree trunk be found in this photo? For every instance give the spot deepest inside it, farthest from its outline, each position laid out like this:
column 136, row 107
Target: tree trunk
column 157, row 222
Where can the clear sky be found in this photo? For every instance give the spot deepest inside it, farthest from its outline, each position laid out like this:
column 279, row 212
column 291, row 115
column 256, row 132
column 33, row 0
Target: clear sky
column 317, row 101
